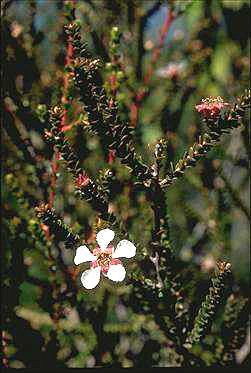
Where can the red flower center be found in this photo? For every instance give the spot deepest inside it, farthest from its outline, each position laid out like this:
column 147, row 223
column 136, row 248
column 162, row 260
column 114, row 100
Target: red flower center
column 104, row 261
column 104, row 258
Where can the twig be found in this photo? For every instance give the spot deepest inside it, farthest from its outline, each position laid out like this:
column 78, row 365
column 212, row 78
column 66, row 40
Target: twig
column 244, row 350
column 155, row 261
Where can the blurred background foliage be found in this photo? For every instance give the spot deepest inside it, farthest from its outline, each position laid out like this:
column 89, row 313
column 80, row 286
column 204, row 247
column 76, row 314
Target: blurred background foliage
column 47, row 316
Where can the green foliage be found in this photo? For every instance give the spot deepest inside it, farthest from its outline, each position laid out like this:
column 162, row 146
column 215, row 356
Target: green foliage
column 100, row 130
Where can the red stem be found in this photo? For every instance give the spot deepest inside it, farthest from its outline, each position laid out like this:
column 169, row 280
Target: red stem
column 111, row 155
column 155, row 56
column 65, row 100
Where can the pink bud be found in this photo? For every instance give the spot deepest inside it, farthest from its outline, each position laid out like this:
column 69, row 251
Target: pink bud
column 82, row 180
column 211, row 107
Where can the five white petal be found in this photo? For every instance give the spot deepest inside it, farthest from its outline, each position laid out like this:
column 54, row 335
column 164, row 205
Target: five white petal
column 116, row 272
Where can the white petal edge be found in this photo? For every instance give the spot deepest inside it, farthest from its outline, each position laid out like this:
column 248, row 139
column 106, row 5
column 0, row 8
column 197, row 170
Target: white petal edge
column 83, row 254
column 124, row 249
column 116, row 272
column 104, row 237
column 90, row 278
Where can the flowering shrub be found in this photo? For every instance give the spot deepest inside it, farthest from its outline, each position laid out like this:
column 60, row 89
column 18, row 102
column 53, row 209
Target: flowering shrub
column 125, row 129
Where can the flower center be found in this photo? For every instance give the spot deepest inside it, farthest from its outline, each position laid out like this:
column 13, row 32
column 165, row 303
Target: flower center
column 104, row 260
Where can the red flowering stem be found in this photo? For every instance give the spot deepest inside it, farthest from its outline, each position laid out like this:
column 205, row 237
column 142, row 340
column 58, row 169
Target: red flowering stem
column 113, row 83
column 156, row 52
column 54, row 171
column 68, row 61
column 65, row 100
column 155, row 56
column 111, row 155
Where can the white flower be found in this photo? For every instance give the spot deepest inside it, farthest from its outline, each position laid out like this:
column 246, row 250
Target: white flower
column 104, row 259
